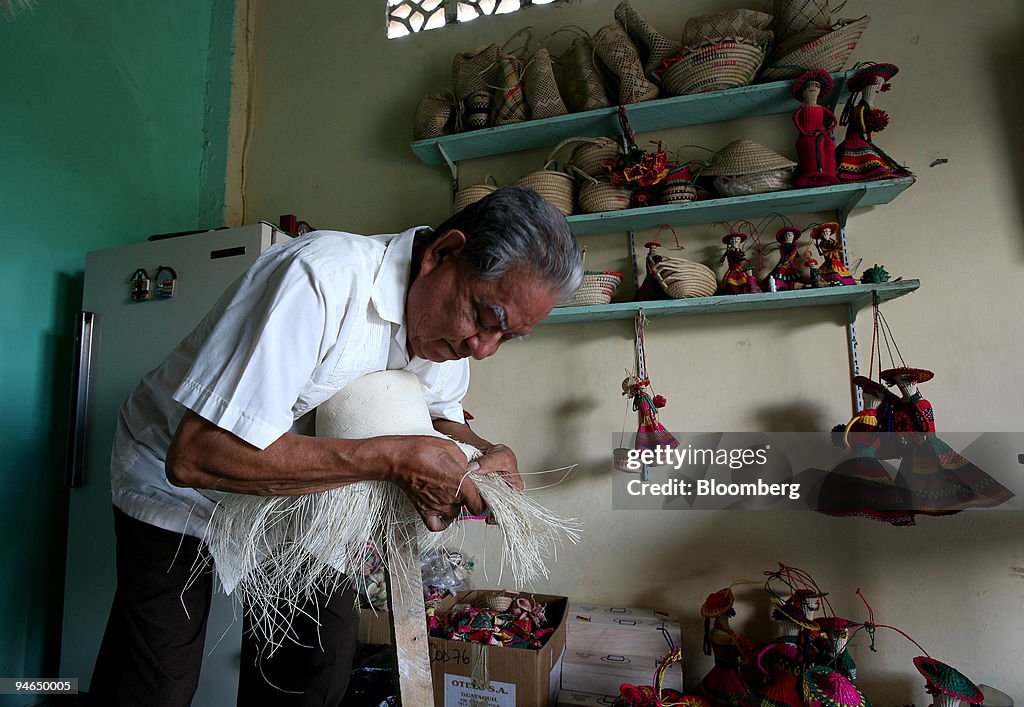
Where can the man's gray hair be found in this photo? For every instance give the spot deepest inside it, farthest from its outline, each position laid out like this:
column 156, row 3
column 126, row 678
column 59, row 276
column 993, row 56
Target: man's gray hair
column 515, row 227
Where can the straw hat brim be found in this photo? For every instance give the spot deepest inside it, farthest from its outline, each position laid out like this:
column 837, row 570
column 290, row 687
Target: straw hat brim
column 746, row 157
column 917, row 375
column 948, row 679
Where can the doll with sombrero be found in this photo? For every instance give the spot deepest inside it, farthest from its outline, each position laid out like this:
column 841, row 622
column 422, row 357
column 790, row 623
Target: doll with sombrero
column 724, row 684
column 858, row 159
column 831, row 645
column 833, row 271
column 786, row 272
column 940, row 479
column 783, row 665
column 816, row 145
column 947, row 686
column 861, row 484
column 738, row 278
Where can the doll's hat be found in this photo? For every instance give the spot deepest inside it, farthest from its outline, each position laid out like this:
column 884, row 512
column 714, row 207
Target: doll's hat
column 816, row 231
column 916, row 375
column 832, row 624
column 788, row 229
column 818, row 76
column 717, row 603
column 870, row 386
column 866, row 75
column 831, row 688
column 948, row 680
column 734, row 234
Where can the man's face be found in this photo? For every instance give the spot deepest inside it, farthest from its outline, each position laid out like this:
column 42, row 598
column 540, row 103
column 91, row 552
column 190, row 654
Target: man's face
column 449, row 315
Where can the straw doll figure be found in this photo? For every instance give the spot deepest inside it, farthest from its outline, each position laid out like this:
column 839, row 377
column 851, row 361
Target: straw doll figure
column 833, row 270
column 858, row 159
column 946, row 685
column 783, row 665
column 724, row 684
column 833, row 642
column 650, row 433
column 739, row 276
column 816, row 145
column 786, row 272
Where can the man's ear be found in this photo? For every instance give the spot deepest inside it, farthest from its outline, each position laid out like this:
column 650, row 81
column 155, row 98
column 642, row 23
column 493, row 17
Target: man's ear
column 448, row 244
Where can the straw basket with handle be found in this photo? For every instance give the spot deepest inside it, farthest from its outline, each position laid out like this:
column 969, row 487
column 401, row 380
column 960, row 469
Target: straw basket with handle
column 680, row 278
column 814, row 49
column 594, row 153
column 599, row 286
column 473, row 193
column 597, row 195
column 556, row 186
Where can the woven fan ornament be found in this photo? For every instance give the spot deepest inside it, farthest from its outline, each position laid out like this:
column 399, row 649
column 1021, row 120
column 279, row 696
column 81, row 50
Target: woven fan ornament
column 650, row 433
column 830, row 688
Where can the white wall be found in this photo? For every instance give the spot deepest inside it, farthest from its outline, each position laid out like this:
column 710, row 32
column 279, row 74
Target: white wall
column 331, row 122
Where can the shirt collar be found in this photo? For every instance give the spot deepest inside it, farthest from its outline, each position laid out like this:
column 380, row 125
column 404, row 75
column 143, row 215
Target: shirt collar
column 392, row 282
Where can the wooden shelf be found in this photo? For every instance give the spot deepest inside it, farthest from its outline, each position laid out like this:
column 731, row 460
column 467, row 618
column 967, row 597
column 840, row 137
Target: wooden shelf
column 659, row 114
column 856, row 296
column 842, row 198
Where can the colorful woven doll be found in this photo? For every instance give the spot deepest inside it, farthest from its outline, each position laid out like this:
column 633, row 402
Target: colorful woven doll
column 947, row 686
column 833, row 270
column 860, row 484
column 783, row 665
column 816, row 146
column 786, row 272
column 830, row 688
column 858, row 159
column 941, row 480
column 724, row 684
column 832, row 644
column 650, row 433
column 656, row 695
column 795, row 613
column 738, row 278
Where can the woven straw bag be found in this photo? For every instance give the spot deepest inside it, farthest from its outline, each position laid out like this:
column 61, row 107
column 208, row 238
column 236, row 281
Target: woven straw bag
column 477, row 110
column 778, row 179
column 619, row 56
column 509, row 104
column 597, row 195
column 598, row 288
column 681, row 278
column 654, row 48
column 829, row 51
column 475, row 71
column 582, row 85
column 746, row 25
column 793, row 16
column 473, row 193
column 594, row 153
column 433, row 116
column 540, row 87
column 713, row 67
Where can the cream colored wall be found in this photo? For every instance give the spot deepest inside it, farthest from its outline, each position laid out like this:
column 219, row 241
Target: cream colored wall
column 332, row 114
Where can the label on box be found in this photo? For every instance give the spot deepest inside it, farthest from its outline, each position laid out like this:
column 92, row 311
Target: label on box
column 459, row 691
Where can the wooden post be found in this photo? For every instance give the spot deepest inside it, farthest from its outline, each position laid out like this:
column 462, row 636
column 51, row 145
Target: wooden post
column 408, row 620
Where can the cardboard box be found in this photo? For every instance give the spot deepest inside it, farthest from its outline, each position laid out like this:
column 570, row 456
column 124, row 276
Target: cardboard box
column 572, row 698
column 375, row 627
column 622, row 630
column 603, row 673
column 468, row 674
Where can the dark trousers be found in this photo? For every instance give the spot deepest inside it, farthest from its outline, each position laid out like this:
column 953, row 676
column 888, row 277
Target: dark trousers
column 152, row 649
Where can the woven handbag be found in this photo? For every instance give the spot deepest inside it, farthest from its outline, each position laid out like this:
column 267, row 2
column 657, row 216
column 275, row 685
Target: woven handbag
column 597, row 195
column 681, row 278
column 794, row 16
column 713, row 67
column 829, row 51
column 619, row 57
column 554, row 185
column 434, row 116
column 509, row 105
column 654, row 48
column 473, row 193
column 582, row 85
column 595, row 152
column 540, row 87
column 475, row 71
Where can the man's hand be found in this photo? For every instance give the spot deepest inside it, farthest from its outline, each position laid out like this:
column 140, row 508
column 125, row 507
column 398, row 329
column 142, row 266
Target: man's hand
column 499, row 459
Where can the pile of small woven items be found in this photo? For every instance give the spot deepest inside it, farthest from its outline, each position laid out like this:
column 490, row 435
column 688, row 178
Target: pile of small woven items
column 523, row 624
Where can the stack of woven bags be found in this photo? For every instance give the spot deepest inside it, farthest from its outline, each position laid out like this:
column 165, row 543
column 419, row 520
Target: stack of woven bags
column 629, row 61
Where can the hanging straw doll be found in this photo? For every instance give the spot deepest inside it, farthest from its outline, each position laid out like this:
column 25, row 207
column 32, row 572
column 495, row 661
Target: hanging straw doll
column 739, row 277
column 816, row 146
column 833, row 268
column 860, row 484
column 650, row 433
column 858, row 159
column 941, row 480
column 947, row 686
column 724, row 684
column 786, row 272
column 830, row 688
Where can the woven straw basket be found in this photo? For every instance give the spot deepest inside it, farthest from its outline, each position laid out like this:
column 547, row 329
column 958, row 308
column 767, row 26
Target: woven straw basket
column 681, row 278
column 554, row 185
column 473, row 193
column 756, row 183
column 498, row 601
column 597, row 195
column 589, row 157
column 597, row 288
column 679, row 193
column 713, row 67
column 794, row 16
column 829, row 51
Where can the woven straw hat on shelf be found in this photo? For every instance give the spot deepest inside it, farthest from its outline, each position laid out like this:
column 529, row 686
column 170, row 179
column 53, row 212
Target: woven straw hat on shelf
column 473, row 193
column 812, row 50
column 746, row 156
column 745, row 25
column 754, row 183
column 794, row 16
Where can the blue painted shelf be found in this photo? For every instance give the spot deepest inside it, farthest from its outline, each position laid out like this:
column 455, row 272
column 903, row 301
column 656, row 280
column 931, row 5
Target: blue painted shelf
column 856, row 296
column 660, row 114
column 842, row 198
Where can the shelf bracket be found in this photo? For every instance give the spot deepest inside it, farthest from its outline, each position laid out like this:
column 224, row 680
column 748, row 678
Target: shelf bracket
column 631, row 235
column 850, row 205
column 453, row 167
column 853, row 348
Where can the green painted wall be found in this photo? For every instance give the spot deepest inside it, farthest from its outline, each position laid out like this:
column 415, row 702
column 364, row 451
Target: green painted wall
column 113, row 126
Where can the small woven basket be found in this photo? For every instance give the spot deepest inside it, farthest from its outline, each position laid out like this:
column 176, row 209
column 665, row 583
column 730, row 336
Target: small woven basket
column 499, row 601
column 713, row 67
column 554, row 185
column 473, row 193
column 829, row 51
column 678, row 193
column 681, row 278
column 755, row 183
column 597, row 288
column 597, row 195
column 591, row 156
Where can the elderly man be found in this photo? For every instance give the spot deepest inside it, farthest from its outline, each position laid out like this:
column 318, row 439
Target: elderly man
column 227, row 412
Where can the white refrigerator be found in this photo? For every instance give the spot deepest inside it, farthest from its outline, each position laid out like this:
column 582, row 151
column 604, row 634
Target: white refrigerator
column 119, row 340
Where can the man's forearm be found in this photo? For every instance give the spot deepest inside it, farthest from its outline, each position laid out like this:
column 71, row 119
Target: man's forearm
column 462, row 432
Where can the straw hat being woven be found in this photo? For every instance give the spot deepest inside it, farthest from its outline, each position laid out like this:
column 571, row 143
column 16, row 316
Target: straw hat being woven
column 746, row 157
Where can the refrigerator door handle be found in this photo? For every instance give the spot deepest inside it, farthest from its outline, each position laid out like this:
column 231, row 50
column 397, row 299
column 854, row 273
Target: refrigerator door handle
column 75, row 468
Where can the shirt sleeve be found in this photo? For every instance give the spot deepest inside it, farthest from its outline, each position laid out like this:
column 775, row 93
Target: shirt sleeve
column 262, row 348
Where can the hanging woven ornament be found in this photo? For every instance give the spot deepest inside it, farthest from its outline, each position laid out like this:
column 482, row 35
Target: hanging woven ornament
column 650, row 433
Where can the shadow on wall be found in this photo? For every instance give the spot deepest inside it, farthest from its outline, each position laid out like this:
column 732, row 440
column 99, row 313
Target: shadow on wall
column 1007, row 57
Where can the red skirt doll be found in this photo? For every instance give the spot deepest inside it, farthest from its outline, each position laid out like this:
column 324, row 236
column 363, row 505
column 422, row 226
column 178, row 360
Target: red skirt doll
column 816, row 146
column 858, row 159
column 786, row 272
column 833, row 270
column 737, row 279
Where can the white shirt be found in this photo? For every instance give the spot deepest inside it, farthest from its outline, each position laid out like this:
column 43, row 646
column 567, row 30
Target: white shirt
column 308, row 317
